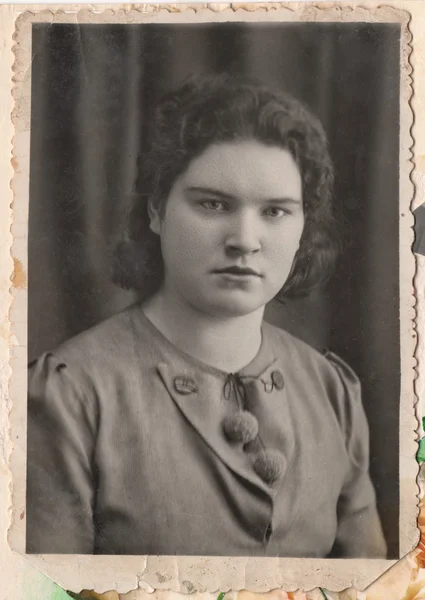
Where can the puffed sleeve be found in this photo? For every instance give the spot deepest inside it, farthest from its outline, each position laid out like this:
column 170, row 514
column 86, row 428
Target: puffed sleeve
column 60, row 446
column 359, row 529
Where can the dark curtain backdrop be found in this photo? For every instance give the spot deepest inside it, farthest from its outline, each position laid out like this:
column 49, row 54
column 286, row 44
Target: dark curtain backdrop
column 94, row 89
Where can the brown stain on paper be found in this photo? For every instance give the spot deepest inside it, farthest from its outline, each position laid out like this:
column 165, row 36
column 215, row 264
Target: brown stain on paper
column 19, row 278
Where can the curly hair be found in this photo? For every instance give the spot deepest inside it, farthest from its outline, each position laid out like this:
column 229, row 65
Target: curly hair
column 224, row 108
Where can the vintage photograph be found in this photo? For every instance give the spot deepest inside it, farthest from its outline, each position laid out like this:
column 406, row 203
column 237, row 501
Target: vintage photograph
column 213, row 290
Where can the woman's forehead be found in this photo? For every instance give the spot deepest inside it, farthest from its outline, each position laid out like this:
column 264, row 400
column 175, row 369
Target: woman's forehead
column 245, row 168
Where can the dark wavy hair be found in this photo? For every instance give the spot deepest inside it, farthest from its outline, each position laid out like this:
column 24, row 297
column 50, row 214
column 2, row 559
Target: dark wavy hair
column 224, row 108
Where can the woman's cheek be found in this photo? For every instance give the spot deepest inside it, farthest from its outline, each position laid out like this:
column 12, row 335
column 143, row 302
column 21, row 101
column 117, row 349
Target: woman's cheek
column 204, row 235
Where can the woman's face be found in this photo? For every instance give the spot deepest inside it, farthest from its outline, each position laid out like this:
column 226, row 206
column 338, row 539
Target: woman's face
column 232, row 225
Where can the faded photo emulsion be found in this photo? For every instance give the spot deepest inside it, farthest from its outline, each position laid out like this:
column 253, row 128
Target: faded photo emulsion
column 213, row 290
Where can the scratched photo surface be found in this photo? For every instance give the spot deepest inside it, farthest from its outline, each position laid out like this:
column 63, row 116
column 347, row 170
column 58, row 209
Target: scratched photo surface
column 165, row 415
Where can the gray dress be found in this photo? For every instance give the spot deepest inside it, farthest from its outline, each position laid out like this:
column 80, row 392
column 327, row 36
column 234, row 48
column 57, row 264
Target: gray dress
column 127, row 453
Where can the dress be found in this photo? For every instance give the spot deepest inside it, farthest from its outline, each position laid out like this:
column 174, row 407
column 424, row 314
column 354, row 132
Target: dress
column 127, row 452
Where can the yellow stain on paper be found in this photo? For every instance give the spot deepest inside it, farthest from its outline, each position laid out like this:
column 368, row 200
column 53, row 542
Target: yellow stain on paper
column 18, row 278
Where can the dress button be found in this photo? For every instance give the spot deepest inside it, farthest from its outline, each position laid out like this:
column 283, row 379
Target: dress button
column 185, row 385
column 277, row 379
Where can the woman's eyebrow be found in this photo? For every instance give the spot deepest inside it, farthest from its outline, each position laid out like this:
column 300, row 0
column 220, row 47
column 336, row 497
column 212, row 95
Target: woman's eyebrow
column 226, row 196
column 210, row 191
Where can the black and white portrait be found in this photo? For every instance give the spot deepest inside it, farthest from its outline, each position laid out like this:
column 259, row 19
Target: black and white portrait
column 213, row 290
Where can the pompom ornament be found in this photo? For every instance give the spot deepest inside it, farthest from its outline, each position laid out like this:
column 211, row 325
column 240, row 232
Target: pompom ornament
column 270, row 465
column 241, row 427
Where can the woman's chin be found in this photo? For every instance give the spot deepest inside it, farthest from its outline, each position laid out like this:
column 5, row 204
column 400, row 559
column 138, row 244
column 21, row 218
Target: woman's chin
column 233, row 306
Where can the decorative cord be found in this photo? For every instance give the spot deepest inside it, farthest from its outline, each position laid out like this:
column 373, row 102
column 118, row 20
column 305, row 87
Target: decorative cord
column 235, row 383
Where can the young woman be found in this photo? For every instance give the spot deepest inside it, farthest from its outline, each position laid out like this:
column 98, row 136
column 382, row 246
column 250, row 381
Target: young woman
column 186, row 424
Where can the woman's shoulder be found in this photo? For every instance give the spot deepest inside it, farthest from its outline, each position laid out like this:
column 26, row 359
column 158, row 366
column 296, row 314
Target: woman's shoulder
column 303, row 354
column 101, row 348
column 323, row 370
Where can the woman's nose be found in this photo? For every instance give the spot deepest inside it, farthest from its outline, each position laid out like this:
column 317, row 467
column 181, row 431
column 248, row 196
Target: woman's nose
column 244, row 235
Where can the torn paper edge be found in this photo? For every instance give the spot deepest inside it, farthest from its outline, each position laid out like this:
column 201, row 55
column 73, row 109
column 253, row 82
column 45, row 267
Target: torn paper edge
column 186, row 574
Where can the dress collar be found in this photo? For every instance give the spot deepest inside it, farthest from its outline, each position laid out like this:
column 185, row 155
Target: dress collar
column 198, row 391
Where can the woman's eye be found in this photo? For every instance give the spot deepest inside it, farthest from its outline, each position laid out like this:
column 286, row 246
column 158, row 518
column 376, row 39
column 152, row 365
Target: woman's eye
column 275, row 211
column 215, row 205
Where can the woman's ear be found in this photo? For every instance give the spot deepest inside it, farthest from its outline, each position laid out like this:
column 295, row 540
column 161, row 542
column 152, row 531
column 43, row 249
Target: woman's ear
column 154, row 217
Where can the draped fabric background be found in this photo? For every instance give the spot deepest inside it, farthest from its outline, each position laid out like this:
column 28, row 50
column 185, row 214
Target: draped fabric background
column 94, row 88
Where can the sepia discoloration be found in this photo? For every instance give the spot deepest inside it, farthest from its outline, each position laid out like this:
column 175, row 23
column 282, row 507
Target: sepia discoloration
column 102, row 573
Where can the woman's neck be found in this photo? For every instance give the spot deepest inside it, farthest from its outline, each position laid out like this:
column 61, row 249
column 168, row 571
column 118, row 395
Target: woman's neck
column 228, row 344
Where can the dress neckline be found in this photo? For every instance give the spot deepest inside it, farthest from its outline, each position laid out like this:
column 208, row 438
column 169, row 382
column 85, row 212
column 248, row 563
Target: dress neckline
column 261, row 360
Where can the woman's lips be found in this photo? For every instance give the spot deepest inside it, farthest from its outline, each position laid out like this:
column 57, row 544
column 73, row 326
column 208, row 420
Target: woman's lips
column 238, row 272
